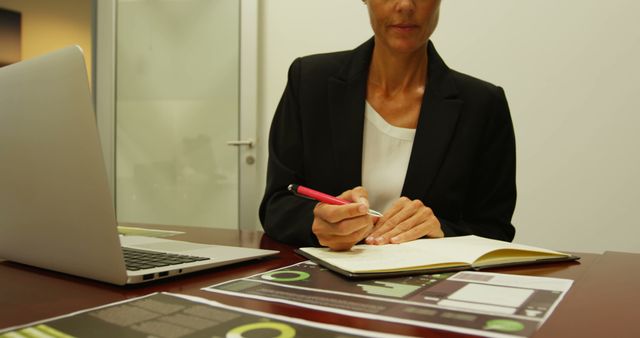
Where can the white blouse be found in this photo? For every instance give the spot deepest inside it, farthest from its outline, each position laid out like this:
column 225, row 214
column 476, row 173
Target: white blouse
column 385, row 159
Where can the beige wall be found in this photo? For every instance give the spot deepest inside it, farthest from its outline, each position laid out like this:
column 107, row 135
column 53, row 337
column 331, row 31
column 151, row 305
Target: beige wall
column 48, row 25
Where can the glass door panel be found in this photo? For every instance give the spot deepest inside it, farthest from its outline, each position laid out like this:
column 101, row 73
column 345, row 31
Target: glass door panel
column 177, row 94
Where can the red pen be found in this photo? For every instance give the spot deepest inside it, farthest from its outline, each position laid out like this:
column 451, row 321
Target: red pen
column 322, row 197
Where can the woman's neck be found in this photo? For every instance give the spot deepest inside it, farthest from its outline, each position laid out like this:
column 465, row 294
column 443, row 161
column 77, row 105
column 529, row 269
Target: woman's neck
column 393, row 73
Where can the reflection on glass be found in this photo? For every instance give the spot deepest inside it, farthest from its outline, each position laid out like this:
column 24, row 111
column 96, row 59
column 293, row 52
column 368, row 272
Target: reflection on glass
column 176, row 106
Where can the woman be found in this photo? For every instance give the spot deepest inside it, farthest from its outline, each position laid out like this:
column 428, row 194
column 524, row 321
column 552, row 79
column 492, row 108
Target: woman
column 389, row 125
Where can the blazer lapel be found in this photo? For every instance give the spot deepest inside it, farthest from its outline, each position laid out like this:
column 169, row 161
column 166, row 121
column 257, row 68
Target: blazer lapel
column 438, row 117
column 347, row 94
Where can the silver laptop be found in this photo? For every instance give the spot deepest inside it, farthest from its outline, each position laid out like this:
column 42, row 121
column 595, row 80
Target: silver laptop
column 56, row 209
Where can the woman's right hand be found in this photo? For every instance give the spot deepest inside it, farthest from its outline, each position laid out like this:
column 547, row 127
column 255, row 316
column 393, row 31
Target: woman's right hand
column 340, row 227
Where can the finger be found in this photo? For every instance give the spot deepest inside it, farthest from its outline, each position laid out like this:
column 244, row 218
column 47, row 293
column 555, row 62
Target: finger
column 431, row 229
column 389, row 220
column 405, row 225
column 412, row 214
column 341, row 243
column 360, row 195
column 409, row 235
column 422, row 223
column 416, row 233
column 387, row 215
column 376, row 225
column 357, row 195
column 343, row 227
column 350, row 226
column 409, row 232
column 378, row 231
column 336, row 213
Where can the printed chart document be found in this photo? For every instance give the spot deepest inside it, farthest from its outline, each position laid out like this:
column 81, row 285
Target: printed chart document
column 431, row 255
column 471, row 302
column 171, row 315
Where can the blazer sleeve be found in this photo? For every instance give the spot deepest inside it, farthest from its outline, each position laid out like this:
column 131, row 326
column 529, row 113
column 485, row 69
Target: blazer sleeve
column 491, row 198
column 285, row 217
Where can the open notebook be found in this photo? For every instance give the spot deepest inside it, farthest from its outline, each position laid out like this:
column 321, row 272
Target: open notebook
column 56, row 209
column 432, row 255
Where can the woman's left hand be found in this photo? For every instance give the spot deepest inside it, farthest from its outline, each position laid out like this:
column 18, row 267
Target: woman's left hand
column 405, row 221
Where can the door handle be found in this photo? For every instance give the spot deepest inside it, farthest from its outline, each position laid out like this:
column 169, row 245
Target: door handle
column 237, row 143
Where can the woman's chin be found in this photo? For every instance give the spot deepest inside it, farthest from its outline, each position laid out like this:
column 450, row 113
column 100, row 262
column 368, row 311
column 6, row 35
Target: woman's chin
column 405, row 45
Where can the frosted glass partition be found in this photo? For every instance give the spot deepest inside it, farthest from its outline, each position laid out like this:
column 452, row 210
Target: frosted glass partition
column 177, row 72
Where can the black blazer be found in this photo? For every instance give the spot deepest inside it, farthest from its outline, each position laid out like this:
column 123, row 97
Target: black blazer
column 462, row 163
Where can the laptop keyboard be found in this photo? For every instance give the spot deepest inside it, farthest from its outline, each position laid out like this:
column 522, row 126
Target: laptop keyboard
column 136, row 259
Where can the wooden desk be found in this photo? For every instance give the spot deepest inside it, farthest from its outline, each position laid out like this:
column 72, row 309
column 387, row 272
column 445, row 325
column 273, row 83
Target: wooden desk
column 602, row 302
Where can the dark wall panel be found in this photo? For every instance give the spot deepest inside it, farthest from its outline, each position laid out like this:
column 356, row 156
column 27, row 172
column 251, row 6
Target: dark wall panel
column 9, row 37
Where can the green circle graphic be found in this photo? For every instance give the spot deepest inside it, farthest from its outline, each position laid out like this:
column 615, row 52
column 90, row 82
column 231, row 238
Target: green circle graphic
column 299, row 275
column 504, row 325
column 285, row 330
